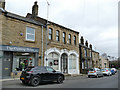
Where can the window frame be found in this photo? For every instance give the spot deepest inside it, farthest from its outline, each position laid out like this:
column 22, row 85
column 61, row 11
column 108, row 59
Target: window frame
column 69, row 38
column 57, row 35
column 64, row 37
column 74, row 38
column 30, row 33
column 50, row 34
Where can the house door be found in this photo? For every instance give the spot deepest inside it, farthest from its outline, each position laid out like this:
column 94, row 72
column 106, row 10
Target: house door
column 64, row 63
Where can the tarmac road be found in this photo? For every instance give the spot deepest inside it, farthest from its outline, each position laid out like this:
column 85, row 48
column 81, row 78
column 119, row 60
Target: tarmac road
column 71, row 82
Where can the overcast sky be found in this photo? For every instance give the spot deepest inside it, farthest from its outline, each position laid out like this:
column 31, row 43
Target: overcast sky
column 95, row 20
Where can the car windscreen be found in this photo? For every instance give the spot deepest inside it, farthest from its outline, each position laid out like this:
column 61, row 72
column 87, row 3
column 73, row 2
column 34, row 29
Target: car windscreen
column 91, row 69
column 29, row 69
column 103, row 69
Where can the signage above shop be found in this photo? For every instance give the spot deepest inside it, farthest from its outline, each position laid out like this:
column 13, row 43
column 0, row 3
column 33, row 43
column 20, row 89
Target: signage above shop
column 19, row 49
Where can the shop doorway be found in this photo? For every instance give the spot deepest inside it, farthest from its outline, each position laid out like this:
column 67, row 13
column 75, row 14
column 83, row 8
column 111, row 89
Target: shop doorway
column 64, row 63
column 6, row 65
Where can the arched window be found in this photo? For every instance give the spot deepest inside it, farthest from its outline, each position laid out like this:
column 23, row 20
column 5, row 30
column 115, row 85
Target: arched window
column 57, row 35
column 53, row 60
column 74, row 40
column 64, row 37
column 72, row 61
column 69, row 37
column 50, row 33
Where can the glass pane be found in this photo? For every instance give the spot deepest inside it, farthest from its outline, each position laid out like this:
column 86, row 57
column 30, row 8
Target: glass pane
column 57, row 33
column 69, row 36
column 50, row 55
column 72, row 62
column 50, row 31
column 30, row 30
column 30, row 37
column 64, row 34
column 55, row 56
column 50, row 37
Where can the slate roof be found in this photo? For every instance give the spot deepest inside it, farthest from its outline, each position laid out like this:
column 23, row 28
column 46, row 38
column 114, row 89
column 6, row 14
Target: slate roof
column 44, row 21
column 18, row 17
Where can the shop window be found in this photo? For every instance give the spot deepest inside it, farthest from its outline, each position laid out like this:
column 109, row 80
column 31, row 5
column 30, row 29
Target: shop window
column 1, row 54
column 20, row 63
column 30, row 34
column 53, row 61
column 72, row 61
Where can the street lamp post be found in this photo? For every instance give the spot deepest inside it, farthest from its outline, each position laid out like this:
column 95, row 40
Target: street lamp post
column 47, row 29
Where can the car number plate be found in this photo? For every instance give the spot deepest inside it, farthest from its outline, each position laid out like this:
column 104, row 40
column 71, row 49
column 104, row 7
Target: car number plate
column 91, row 72
column 103, row 71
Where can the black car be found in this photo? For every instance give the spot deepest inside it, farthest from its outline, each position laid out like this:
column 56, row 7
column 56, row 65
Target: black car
column 35, row 75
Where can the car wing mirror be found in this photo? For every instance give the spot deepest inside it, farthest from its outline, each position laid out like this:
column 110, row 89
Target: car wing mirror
column 54, row 71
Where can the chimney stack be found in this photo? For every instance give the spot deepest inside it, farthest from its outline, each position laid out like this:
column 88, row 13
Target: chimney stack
column 2, row 4
column 86, row 43
column 35, row 9
column 82, row 40
column 90, row 46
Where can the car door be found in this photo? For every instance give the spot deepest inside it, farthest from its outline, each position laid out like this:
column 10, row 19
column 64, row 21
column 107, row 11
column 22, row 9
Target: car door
column 43, row 73
column 51, row 73
column 98, row 71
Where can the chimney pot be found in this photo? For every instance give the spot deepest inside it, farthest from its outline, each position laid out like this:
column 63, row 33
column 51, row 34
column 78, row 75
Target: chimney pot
column 90, row 46
column 82, row 40
column 86, row 43
column 35, row 9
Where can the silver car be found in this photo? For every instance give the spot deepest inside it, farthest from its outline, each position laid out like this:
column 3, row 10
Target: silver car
column 96, row 72
column 106, row 71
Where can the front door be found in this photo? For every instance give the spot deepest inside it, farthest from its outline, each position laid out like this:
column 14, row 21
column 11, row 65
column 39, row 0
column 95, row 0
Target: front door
column 6, row 65
column 64, row 63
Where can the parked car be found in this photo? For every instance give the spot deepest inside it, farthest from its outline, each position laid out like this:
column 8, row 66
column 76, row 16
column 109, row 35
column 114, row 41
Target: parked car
column 35, row 75
column 114, row 69
column 106, row 71
column 95, row 72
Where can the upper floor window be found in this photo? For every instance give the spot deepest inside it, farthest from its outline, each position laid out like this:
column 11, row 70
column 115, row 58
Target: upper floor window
column 30, row 34
column 57, row 35
column 90, row 54
column 85, row 52
column 74, row 40
column 64, row 37
column 69, row 37
column 50, row 34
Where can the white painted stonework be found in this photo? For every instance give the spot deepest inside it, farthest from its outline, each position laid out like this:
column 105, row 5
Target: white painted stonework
column 60, row 52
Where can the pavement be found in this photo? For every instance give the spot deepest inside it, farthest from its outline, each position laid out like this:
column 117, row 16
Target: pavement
column 67, row 76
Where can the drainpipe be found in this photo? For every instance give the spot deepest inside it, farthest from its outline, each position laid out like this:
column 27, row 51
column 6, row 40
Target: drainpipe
column 42, row 48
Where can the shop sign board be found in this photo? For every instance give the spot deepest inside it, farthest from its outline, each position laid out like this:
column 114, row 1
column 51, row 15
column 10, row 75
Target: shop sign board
column 18, row 49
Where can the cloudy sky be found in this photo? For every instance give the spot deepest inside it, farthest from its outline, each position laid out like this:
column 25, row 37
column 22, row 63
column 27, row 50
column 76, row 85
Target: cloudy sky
column 96, row 20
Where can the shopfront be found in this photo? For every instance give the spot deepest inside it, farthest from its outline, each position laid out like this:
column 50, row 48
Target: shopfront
column 15, row 59
column 63, row 60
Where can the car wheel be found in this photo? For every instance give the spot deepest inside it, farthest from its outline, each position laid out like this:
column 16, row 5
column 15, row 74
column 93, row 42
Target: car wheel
column 88, row 76
column 97, row 76
column 60, row 79
column 35, row 81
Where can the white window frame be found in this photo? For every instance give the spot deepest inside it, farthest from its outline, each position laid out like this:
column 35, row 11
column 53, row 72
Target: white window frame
column 30, row 34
